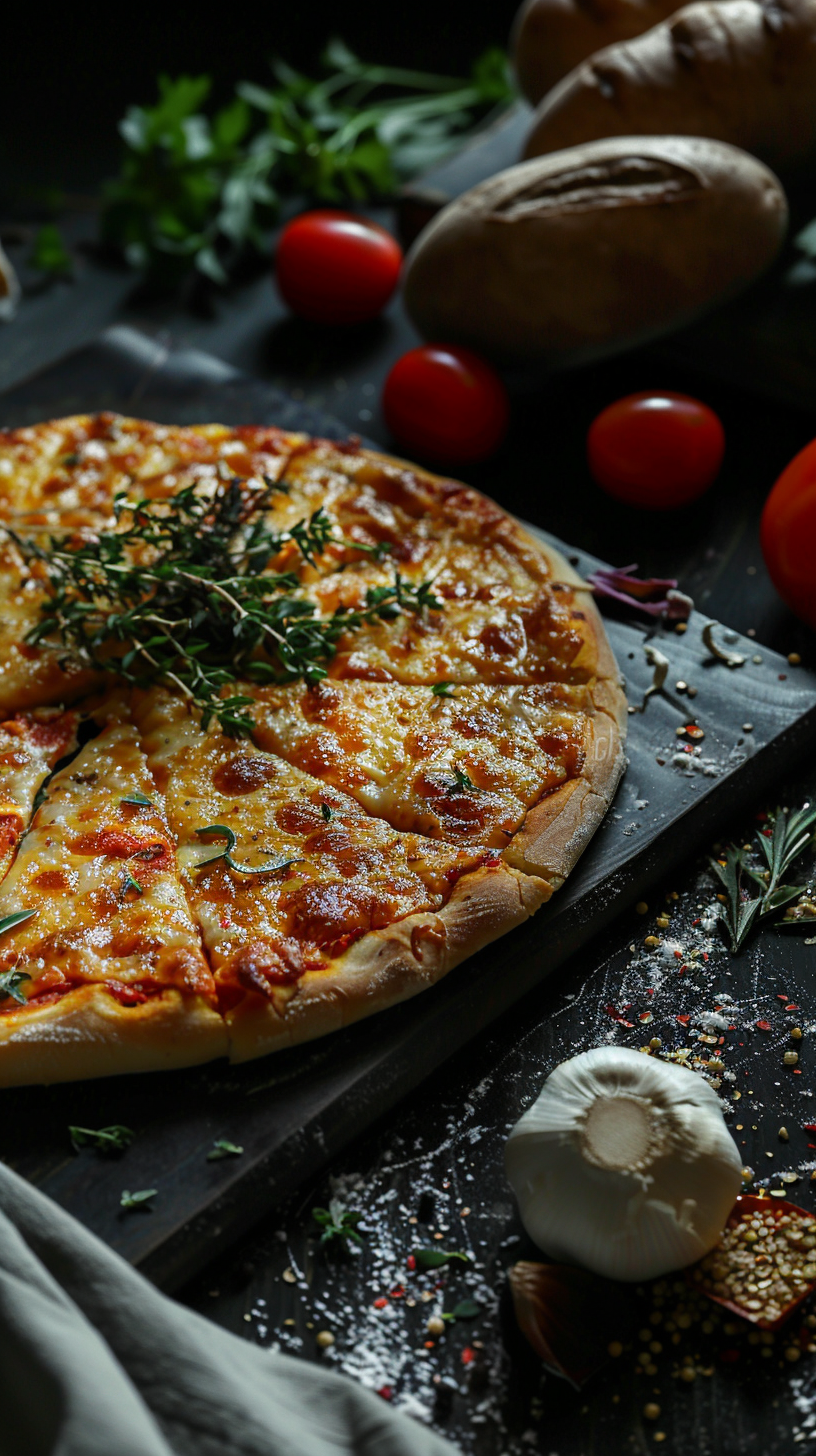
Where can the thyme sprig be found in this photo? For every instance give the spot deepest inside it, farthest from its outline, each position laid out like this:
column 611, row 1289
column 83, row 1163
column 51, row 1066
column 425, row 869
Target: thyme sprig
column 338, row 1224
column 780, row 843
column 223, row 831
column 181, row 593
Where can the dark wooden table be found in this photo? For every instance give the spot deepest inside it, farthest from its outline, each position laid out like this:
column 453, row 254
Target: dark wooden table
column 435, row 1165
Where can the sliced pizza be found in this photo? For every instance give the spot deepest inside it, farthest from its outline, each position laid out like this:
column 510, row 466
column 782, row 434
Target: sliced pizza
column 31, row 745
column 313, row 912
column 101, row 966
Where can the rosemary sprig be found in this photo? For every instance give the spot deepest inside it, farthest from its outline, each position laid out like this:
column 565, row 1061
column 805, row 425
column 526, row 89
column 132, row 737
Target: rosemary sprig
column 181, row 593
column 107, row 1139
column 223, row 831
column 783, row 840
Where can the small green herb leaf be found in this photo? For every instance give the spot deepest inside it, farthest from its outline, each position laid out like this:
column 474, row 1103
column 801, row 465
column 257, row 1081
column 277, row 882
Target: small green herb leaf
column 223, row 1149
column 50, row 254
column 327, row 812
column 10, row 983
column 435, row 1258
column 130, row 884
column 466, row 1309
column 443, row 690
column 9, row 921
column 141, row 801
column 223, row 831
column 463, row 782
column 339, row 1224
column 137, row 1200
column 107, row 1139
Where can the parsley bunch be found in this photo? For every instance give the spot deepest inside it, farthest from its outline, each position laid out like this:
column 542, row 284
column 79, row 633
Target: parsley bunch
column 178, row 594
column 199, row 192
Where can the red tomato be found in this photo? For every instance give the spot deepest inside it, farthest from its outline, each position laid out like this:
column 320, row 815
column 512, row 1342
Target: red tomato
column 788, row 534
column 656, row 450
column 336, row 268
column 447, row 403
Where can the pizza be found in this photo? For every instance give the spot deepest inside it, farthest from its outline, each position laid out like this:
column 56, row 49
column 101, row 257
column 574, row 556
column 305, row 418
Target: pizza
column 288, row 729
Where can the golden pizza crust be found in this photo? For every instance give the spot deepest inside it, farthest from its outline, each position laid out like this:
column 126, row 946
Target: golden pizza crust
column 88, row 1034
column 388, row 966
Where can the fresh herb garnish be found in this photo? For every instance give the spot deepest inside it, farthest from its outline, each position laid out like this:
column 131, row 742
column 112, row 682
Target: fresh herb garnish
column 16, row 918
column 140, row 801
column 783, row 840
column 463, row 783
column 223, row 831
column 435, row 1258
column 49, row 253
column 338, row 1223
column 107, row 1139
column 10, row 983
column 130, row 884
column 327, row 812
column 443, row 690
column 223, row 1149
column 197, row 193
column 465, row 1309
column 177, row 594
column 139, row 1199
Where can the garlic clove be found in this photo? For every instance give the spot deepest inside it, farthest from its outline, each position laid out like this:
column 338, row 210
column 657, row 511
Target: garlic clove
column 9, row 288
column 568, row 1315
column 624, row 1165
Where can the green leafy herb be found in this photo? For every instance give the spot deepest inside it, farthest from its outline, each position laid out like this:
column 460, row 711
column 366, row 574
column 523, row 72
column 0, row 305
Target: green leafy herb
column 197, row 191
column 49, row 253
column 327, row 812
column 137, row 1200
column 223, row 831
column 16, row 918
column 465, row 1309
column 435, row 1258
column 443, row 690
column 463, row 782
column 141, row 801
column 107, row 1139
column 780, row 844
column 338, row 1224
column 130, row 884
column 223, row 1149
column 180, row 593
column 10, row 983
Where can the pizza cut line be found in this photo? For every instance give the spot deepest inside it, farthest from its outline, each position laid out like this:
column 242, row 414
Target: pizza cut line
column 174, row 889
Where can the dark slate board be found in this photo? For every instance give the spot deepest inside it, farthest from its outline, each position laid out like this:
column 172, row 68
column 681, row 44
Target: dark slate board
column 292, row 1112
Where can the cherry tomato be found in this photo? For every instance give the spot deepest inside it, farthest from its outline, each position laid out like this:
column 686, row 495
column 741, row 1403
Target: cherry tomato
column 447, row 403
column 788, row 534
column 656, row 450
column 336, row 268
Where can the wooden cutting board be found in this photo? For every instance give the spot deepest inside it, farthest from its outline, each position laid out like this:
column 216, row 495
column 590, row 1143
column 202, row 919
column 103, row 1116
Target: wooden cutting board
column 293, row 1112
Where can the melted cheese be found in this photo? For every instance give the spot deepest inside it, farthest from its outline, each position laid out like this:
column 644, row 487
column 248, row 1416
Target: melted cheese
column 351, row 873
column 398, row 750
column 30, row 746
column 74, row 869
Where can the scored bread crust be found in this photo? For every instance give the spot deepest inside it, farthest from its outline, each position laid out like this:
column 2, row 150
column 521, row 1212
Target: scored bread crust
column 89, row 1034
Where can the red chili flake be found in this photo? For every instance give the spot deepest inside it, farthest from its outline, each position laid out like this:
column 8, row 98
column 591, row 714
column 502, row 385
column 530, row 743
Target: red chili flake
column 468, row 1355
column 693, row 731
column 645, row 1016
column 705, row 955
column 225, row 922
column 695, row 922
column 810, row 1126
column 812, row 1146
column 791, row 1008
column 386, row 1392
column 721, row 1040
column 782, row 998
column 650, row 990
column 410, row 1262
column 618, row 1015
column 797, row 1071
column 429, row 1344
column 678, row 955
column 396, row 1293
column 763, row 1026
column 380, row 1303
column 684, row 1018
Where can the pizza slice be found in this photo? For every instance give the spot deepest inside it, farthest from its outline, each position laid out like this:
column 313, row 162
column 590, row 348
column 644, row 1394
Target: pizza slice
column 464, row 763
column 101, row 967
column 313, row 912
column 31, row 745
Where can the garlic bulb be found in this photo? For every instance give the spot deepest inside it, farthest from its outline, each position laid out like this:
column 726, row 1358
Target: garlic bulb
column 624, row 1165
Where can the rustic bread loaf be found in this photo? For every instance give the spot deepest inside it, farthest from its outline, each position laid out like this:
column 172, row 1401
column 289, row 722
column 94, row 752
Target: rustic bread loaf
column 551, row 36
column 594, row 249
